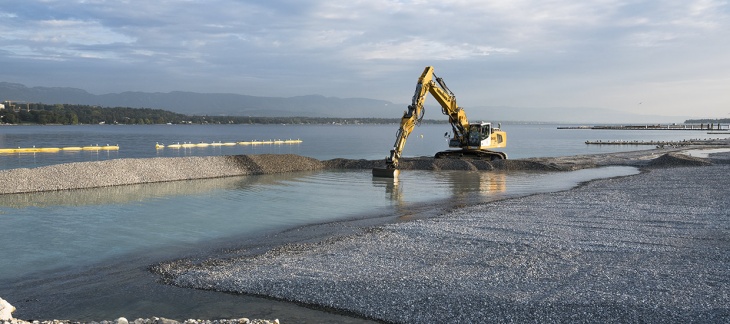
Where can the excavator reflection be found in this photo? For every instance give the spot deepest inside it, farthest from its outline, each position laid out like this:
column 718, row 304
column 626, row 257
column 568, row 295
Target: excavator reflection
column 460, row 186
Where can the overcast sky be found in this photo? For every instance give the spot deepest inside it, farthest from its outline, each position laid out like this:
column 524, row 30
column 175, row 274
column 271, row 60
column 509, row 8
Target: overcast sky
column 668, row 57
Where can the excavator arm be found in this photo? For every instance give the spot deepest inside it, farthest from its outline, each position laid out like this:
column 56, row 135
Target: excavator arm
column 412, row 117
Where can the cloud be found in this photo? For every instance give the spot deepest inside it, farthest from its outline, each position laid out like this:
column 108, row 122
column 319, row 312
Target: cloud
column 537, row 53
column 419, row 49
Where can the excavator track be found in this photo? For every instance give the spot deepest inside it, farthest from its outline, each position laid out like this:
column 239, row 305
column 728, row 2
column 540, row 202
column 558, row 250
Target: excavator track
column 471, row 154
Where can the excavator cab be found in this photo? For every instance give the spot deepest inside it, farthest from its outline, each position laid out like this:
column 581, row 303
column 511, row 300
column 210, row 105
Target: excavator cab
column 478, row 133
column 478, row 136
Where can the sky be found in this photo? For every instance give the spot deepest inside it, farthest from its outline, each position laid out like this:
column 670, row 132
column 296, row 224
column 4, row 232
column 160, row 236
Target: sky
column 662, row 57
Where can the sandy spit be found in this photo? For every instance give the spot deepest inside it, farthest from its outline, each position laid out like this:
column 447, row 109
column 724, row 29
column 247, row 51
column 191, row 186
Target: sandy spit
column 117, row 172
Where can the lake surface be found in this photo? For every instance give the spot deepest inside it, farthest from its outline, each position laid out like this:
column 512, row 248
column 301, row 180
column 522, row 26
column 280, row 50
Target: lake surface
column 319, row 141
column 54, row 238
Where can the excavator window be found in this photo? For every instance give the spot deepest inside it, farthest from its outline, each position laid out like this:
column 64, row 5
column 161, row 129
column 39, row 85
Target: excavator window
column 474, row 135
column 485, row 132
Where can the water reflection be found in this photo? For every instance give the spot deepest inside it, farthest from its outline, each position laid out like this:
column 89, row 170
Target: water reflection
column 484, row 183
column 138, row 192
column 393, row 192
column 461, row 184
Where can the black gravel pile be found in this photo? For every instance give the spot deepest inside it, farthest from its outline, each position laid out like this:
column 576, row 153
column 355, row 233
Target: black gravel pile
column 677, row 160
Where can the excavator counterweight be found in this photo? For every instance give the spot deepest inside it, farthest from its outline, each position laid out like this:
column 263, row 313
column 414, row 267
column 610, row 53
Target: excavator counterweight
column 473, row 139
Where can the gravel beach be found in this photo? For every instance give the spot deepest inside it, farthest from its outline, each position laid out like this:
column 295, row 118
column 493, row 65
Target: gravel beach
column 646, row 248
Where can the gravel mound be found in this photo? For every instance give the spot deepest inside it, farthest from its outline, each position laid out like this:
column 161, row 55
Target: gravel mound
column 647, row 248
column 677, row 160
column 353, row 164
column 135, row 171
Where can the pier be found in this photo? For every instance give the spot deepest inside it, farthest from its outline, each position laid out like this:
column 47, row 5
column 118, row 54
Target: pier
column 709, row 141
column 695, row 127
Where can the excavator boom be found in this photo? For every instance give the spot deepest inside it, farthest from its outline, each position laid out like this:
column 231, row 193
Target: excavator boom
column 469, row 137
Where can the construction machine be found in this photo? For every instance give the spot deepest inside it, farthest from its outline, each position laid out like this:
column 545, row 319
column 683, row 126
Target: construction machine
column 473, row 139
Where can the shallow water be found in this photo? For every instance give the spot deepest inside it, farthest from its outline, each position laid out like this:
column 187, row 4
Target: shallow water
column 73, row 231
column 705, row 153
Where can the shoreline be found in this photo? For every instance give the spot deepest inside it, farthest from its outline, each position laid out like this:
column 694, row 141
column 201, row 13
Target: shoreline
column 564, row 163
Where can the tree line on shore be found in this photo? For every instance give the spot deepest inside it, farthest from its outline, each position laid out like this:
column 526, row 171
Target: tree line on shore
column 69, row 114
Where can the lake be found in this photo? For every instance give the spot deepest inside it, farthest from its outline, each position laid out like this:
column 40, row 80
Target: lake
column 319, row 141
column 68, row 254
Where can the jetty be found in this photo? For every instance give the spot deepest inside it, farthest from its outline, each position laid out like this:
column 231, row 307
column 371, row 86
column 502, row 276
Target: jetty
column 709, row 141
column 689, row 127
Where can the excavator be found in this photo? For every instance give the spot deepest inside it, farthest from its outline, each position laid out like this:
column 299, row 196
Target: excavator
column 473, row 139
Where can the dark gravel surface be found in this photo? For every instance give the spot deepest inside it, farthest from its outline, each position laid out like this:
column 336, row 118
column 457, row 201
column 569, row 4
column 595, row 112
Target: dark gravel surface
column 654, row 247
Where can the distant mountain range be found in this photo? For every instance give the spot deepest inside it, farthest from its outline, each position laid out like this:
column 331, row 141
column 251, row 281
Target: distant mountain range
column 191, row 103
column 226, row 104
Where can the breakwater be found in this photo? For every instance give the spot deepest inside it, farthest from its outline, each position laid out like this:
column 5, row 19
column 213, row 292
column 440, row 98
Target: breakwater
column 704, row 142
column 135, row 171
column 695, row 127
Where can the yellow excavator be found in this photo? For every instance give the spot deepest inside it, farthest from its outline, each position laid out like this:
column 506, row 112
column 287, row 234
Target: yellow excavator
column 473, row 139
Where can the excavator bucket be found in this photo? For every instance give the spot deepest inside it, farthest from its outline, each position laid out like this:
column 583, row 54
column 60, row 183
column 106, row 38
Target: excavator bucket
column 385, row 173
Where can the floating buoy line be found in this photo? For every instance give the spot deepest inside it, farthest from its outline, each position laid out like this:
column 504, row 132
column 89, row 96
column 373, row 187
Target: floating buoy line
column 59, row 149
column 157, row 146
column 191, row 145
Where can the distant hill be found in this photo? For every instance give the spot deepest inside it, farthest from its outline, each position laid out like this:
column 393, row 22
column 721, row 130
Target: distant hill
column 227, row 104
column 213, row 104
